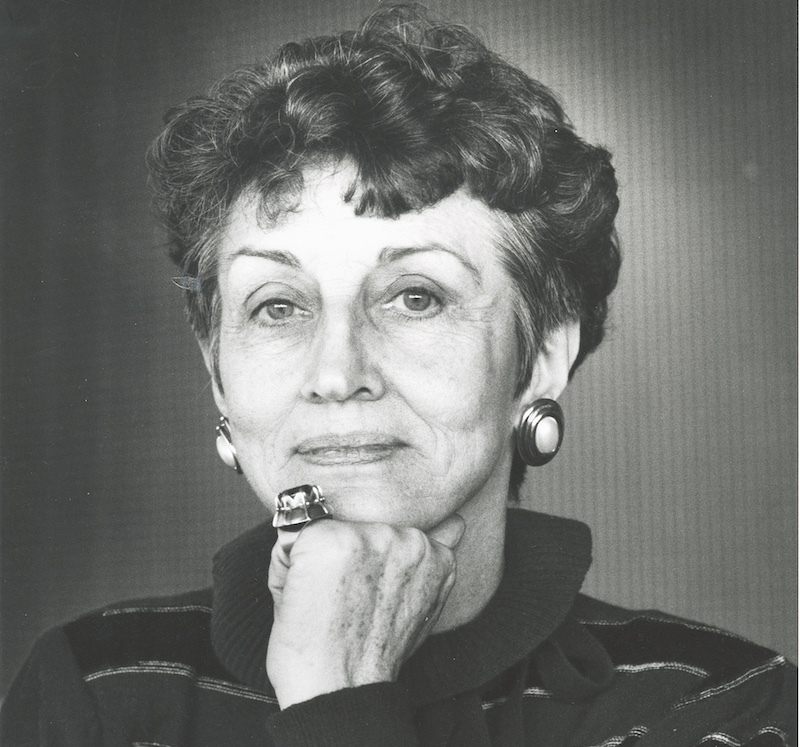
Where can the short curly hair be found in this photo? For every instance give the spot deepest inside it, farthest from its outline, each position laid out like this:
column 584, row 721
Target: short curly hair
column 421, row 109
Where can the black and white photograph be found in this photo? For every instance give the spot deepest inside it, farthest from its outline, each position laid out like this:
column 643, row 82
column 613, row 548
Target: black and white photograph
column 380, row 374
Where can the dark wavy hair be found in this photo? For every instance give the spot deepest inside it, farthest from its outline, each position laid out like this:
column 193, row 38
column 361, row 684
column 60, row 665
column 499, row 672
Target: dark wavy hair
column 420, row 109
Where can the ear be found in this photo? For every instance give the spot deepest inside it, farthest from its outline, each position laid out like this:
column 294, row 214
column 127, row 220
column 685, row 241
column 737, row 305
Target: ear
column 213, row 372
column 552, row 366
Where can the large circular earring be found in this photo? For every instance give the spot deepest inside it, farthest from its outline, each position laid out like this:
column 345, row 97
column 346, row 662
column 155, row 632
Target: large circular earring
column 225, row 447
column 540, row 432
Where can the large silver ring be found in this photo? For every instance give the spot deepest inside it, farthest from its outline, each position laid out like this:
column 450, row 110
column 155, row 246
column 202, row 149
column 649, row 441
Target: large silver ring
column 296, row 508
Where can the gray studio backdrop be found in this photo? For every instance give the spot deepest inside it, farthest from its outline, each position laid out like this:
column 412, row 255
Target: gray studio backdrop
column 681, row 443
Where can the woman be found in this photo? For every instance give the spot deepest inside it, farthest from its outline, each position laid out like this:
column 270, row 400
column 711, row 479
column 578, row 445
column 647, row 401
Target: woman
column 395, row 252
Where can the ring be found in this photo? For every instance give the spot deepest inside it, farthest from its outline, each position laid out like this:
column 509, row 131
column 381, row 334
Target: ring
column 296, row 508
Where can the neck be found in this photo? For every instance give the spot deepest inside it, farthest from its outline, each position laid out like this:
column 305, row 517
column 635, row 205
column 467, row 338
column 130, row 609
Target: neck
column 479, row 563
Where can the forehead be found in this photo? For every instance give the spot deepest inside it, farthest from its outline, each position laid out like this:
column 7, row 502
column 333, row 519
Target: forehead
column 323, row 221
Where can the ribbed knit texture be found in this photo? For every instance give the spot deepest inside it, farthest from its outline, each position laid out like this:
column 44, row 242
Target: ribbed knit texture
column 146, row 672
column 546, row 561
column 367, row 716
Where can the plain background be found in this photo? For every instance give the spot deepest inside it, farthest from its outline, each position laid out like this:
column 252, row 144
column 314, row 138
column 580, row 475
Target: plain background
column 681, row 443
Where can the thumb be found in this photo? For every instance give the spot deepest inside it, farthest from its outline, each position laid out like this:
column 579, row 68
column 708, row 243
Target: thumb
column 449, row 532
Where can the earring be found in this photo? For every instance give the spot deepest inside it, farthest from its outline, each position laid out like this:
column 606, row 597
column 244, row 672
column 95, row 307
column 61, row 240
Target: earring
column 225, row 447
column 540, row 432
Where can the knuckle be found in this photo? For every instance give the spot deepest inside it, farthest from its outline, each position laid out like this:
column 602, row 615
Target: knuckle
column 347, row 540
column 448, row 563
column 330, row 539
column 417, row 546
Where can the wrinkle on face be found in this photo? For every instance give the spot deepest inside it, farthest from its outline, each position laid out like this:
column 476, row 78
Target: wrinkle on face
column 447, row 381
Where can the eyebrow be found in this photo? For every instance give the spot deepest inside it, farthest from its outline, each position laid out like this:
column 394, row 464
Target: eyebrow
column 276, row 255
column 393, row 253
column 387, row 255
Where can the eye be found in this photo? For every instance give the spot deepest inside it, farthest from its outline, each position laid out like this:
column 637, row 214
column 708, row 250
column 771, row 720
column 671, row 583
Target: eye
column 419, row 301
column 277, row 309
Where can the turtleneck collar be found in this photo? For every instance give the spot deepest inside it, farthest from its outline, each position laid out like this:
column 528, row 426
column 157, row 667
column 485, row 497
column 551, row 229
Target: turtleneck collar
column 546, row 559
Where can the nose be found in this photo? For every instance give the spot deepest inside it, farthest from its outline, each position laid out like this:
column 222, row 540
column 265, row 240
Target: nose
column 340, row 366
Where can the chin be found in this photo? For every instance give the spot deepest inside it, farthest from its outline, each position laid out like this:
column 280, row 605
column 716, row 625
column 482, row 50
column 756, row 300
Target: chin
column 370, row 497
column 366, row 494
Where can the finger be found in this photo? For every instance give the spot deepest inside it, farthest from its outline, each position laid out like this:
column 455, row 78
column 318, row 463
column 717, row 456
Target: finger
column 278, row 569
column 280, row 554
column 287, row 538
column 432, row 617
column 449, row 532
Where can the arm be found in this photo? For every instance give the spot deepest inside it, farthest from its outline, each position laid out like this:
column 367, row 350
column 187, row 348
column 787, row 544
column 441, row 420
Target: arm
column 48, row 703
column 352, row 603
column 757, row 709
column 377, row 714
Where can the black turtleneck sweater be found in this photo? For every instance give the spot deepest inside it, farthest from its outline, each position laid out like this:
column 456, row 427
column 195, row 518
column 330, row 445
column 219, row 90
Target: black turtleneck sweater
column 541, row 665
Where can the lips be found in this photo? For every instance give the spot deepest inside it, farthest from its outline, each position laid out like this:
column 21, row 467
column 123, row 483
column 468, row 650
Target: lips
column 351, row 448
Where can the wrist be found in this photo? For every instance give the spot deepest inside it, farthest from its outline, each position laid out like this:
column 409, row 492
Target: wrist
column 375, row 714
column 299, row 682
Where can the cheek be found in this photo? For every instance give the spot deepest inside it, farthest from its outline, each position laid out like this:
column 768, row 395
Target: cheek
column 463, row 381
column 259, row 386
column 458, row 378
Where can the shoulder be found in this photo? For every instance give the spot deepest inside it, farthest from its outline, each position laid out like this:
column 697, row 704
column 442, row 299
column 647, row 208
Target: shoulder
column 141, row 670
column 698, row 674
column 172, row 631
column 638, row 638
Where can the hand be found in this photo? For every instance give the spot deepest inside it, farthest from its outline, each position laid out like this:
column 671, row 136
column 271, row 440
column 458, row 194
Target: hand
column 353, row 601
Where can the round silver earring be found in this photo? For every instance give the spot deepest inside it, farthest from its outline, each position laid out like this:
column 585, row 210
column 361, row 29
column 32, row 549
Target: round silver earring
column 225, row 447
column 540, row 432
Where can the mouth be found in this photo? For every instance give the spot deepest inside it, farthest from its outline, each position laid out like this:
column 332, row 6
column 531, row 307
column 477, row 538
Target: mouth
column 354, row 448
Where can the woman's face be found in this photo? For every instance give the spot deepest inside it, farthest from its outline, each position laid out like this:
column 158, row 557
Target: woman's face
column 374, row 357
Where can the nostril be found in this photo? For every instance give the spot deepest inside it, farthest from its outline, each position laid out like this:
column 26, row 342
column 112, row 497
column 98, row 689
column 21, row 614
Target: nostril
column 341, row 366
column 359, row 384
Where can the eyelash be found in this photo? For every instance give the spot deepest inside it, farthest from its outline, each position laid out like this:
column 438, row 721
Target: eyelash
column 261, row 313
column 434, row 307
column 396, row 305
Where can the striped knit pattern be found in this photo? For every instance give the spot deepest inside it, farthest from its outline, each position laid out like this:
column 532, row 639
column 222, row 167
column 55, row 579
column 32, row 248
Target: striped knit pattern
column 149, row 674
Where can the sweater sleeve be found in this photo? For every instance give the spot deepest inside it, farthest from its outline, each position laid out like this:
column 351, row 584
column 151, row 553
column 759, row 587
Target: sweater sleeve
column 379, row 714
column 48, row 703
column 758, row 709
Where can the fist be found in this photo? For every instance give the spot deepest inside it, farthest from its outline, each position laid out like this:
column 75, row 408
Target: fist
column 353, row 601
